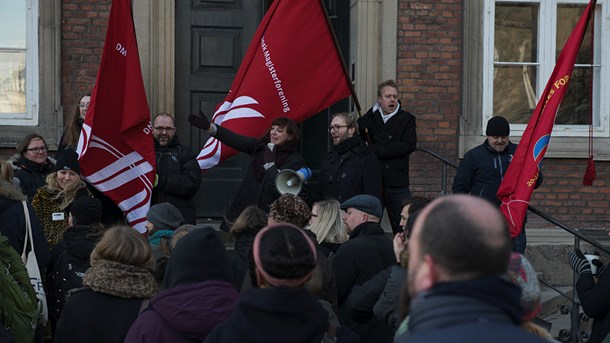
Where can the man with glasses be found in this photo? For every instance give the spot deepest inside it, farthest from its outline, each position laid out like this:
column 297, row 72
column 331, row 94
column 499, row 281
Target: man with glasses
column 178, row 175
column 351, row 168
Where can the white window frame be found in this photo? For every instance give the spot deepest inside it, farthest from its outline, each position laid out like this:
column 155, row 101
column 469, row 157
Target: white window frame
column 547, row 28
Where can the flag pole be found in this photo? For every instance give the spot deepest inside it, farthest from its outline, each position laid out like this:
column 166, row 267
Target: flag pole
column 345, row 70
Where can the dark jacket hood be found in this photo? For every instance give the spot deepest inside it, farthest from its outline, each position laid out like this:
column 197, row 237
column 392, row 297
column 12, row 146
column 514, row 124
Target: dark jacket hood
column 80, row 240
column 9, row 194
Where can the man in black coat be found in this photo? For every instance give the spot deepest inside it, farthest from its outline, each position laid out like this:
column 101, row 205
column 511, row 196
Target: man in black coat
column 178, row 174
column 458, row 252
column 367, row 252
column 391, row 133
column 351, row 168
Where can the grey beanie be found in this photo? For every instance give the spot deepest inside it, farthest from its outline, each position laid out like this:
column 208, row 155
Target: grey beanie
column 165, row 216
column 365, row 203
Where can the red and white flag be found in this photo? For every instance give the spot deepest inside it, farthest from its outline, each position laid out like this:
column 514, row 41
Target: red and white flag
column 292, row 69
column 518, row 184
column 116, row 148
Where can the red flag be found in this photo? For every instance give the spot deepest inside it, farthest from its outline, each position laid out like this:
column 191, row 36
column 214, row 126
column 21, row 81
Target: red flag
column 116, row 147
column 291, row 69
column 518, row 184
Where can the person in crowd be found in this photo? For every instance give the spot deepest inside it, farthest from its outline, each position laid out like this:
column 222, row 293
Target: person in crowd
column 594, row 296
column 115, row 289
column 71, row 134
column 162, row 220
column 391, row 133
column 455, row 276
column 411, row 205
column 12, row 217
column 280, row 309
column 246, row 226
column 52, row 202
column 197, row 293
column 327, row 223
column 31, row 164
column 367, row 252
column 351, row 168
column 70, row 257
column 180, row 232
column 178, row 175
column 481, row 171
column 276, row 150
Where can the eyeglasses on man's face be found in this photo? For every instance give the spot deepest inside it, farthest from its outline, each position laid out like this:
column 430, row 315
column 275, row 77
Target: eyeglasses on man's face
column 166, row 129
column 39, row 150
column 336, row 127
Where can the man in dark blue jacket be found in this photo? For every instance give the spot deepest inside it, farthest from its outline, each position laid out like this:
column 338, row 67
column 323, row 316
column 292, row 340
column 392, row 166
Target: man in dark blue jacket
column 481, row 171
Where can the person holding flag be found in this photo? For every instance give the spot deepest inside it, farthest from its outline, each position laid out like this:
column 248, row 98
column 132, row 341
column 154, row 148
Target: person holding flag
column 276, row 150
column 483, row 168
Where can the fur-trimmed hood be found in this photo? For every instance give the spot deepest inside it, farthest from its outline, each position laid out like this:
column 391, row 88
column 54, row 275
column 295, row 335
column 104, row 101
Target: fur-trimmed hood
column 11, row 191
column 17, row 165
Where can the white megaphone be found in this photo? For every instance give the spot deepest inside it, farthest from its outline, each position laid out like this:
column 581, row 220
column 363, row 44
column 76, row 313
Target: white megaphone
column 290, row 181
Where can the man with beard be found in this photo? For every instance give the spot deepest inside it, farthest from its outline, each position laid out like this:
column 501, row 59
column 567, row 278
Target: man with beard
column 178, row 173
column 458, row 253
column 351, row 168
column 481, row 171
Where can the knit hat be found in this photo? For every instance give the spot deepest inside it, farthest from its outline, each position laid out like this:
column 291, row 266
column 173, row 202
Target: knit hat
column 67, row 160
column 497, row 126
column 365, row 203
column 86, row 210
column 290, row 209
column 164, row 216
column 521, row 273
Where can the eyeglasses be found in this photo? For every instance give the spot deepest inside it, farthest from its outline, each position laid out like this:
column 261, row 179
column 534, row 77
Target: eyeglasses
column 314, row 215
column 83, row 105
column 166, row 129
column 38, row 150
column 336, row 127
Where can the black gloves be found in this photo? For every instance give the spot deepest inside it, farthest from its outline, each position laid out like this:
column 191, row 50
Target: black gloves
column 579, row 263
column 200, row 121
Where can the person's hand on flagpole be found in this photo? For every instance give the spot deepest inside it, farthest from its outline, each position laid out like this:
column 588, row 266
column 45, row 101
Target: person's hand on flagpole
column 200, row 121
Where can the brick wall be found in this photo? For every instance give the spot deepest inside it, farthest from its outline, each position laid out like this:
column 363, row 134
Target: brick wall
column 429, row 78
column 83, row 31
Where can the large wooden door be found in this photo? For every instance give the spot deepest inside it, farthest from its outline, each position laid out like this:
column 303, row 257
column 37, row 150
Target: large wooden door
column 211, row 39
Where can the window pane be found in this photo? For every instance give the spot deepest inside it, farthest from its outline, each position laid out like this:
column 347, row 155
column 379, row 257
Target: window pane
column 514, row 92
column 567, row 17
column 574, row 109
column 12, row 24
column 12, row 82
column 516, row 32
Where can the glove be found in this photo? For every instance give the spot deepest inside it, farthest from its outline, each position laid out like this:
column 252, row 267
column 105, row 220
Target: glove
column 600, row 266
column 579, row 263
column 200, row 121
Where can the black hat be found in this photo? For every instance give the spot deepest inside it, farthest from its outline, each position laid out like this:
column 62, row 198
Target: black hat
column 497, row 126
column 365, row 203
column 67, row 160
column 165, row 216
column 86, row 210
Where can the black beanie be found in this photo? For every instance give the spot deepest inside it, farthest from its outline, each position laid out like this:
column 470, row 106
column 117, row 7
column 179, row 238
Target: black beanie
column 497, row 126
column 67, row 160
column 86, row 210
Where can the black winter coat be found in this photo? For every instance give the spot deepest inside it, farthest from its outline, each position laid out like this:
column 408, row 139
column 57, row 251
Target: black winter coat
column 179, row 178
column 253, row 192
column 13, row 226
column 595, row 301
column 393, row 142
column 355, row 172
column 31, row 175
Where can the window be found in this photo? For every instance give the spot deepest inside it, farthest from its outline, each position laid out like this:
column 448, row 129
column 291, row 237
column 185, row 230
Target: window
column 522, row 40
column 18, row 62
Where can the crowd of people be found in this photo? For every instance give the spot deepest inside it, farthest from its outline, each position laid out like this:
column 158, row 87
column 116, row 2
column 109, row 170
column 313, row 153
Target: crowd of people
column 308, row 267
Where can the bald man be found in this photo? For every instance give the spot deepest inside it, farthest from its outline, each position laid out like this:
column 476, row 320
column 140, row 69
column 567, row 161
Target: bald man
column 459, row 248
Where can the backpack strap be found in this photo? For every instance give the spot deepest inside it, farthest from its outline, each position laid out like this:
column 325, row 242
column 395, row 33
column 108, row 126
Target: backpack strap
column 144, row 306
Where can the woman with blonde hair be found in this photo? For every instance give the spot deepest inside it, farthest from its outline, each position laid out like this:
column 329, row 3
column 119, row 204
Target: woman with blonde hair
column 116, row 289
column 327, row 224
column 52, row 202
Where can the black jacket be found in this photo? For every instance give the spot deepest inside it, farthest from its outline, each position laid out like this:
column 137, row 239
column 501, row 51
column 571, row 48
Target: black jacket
column 595, row 301
column 393, row 142
column 13, row 226
column 253, row 192
column 179, row 178
column 481, row 172
column 353, row 172
column 31, row 175
column 277, row 314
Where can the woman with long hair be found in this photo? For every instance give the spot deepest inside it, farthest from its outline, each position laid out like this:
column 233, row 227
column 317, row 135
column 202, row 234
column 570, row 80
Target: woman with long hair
column 31, row 164
column 52, row 202
column 327, row 223
column 71, row 134
column 246, row 226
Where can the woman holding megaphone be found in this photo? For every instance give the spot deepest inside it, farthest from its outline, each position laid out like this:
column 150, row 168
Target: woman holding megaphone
column 275, row 151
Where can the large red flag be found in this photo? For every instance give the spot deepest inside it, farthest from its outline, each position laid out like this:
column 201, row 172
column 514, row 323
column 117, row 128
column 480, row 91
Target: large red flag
column 518, row 184
column 291, row 69
column 116, row 147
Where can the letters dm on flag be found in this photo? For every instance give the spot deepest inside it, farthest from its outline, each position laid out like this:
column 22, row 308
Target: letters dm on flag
column 291, row 69
column 116, row 145
column 518, row 184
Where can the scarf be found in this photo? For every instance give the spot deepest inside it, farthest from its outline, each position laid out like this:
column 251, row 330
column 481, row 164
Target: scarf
column 120, row 280
column 282, row 153
column 32, row 166
column 347, row 145
column 155, row 238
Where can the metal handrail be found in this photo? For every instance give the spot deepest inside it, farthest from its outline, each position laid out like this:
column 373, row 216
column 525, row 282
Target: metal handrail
column 578, row 236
